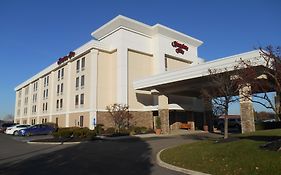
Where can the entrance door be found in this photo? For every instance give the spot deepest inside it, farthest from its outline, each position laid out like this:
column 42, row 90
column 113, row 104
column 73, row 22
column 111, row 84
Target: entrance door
column 81, row 121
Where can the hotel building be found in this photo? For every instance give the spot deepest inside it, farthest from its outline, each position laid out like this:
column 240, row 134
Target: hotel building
column 126, row 62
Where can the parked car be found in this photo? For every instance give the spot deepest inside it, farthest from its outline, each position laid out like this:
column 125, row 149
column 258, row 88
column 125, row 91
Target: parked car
column 5, row 126
column 14, row 130
column 39, row 129
column 234, row 122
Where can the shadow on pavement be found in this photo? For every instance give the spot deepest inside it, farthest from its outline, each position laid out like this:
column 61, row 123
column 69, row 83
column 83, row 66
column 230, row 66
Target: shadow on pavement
column 96, row 157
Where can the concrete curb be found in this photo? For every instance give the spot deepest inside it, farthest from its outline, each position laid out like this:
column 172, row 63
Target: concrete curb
column 175, row 168
column 53, row 143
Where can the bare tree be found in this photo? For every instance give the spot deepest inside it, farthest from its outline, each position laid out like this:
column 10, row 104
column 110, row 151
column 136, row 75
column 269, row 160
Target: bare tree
column 120, row 115
column 264, row 80
column 222, row 93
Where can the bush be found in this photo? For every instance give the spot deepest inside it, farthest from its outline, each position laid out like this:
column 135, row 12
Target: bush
column 109, row 131
column 267, row 125
column 74, row 132
column 99, row 129
column 139, row 130
column 158, row 123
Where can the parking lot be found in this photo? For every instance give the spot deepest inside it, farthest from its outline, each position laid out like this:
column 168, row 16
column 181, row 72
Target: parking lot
column 131, row 156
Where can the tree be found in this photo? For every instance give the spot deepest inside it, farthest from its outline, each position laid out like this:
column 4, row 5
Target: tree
column 263, row 79
column 120, row 115
column 222, row 93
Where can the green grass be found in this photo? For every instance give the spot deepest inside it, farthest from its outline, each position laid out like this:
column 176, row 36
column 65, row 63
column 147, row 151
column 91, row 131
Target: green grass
column 242, row 157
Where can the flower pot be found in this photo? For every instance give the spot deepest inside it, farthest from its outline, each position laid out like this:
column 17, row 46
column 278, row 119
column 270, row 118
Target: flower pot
column 158, row 131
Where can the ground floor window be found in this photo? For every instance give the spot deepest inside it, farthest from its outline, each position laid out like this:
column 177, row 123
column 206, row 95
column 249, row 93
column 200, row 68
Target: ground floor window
column 81, row 121
column 57, row 121
column 33, row 121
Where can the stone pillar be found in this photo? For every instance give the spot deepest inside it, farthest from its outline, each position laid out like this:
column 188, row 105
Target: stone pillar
column 163, row 107
column 246, row 109
column 208, row 115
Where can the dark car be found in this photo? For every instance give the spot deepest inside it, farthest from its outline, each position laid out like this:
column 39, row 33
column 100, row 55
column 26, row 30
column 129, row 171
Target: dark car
column 4, row 126
column 233, row 123
column 39, row 129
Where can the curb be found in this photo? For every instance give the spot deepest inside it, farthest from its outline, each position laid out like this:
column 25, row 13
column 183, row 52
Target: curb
column 175, row 168
column 53, row 143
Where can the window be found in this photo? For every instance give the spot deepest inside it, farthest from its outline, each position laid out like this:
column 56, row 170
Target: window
column 58, row 74
column 61, row 103
column 57, row 104
column 58, row 89
column 82, row 80
column 47, row 80
column 77, row 83
column 76, row 100
column 81, row 99
column 47, row 93
column 61, row 88
column 83, row 64
column 62, row 73
column 45, row 120
column 20, row 94
column 81, row 121
column 57, row 121
column 46, row 107
column 44, row 94
column 26, row 90
column 43, row 107
column 77, row 65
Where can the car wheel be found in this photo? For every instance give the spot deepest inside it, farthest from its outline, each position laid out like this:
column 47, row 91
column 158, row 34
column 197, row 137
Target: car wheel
column 16, row 133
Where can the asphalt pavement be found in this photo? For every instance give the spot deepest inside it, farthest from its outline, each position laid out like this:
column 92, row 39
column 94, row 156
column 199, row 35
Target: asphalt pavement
column 101, row 157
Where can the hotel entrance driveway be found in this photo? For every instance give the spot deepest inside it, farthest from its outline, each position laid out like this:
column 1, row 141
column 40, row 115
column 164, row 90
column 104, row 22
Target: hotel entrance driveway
column 132, row 156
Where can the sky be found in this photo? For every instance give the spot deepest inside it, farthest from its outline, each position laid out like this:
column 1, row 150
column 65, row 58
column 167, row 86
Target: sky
column 33, row 33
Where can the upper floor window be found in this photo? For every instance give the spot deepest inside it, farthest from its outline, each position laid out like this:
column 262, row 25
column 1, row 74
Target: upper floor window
column 77, row 65
column 76, row 100
column 58, row 89
column 83, row 63
column 47, row 93
column 26, row 90
column 61, row 103
column 62, row 73
column 47, row 83
column 82, row 80
column 20, row 94
column 81, row 99
column 77, row 83
column 61, row 88
column 58, row 74
column 58, row 104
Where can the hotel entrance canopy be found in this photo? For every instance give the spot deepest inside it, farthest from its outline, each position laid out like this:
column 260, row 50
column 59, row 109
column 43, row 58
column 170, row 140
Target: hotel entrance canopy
column 190, row 80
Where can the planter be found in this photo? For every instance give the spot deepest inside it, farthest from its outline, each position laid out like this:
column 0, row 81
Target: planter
column 205, row 128
column 158, row 131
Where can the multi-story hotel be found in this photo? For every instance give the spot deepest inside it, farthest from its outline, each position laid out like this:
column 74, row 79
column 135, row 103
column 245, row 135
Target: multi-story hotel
column 125, row 63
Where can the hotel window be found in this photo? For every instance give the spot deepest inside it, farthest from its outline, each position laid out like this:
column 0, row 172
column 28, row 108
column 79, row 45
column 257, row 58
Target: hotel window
column 44, row 94
column 26, row 90
column 81, row 99
column 58, row 74
column 43, row 107
column 46, row 107
column 61, row 101
column 18, row 112
column 58, row 89
column 77, row 83
column 76, row 100
column 24, row 122
column 19, row 103
column 83, row 64
column 62, row 73
column 81, row 121
column 61, row 88
column 77, row 65
column 47, row 80
column 58, row 104
column 20, row 94
column 82, row 81
column 25, row 100
column 45, row 120
column 47, row 93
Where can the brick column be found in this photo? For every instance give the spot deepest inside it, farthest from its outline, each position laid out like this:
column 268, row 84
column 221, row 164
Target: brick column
column 246, row 109
column 163, row 108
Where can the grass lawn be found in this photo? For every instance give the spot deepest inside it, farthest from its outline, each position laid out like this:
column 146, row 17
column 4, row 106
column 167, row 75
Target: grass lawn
column 243, row 156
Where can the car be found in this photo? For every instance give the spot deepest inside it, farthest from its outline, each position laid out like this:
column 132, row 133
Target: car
column 234, row 122
column 5, row 126
column 14, row 130
column 39, row 129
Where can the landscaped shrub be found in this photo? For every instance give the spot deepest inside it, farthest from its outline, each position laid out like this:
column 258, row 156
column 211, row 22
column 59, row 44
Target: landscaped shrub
column 99, row 129
column 109, row 131
column 267, row 125
column 74, row 132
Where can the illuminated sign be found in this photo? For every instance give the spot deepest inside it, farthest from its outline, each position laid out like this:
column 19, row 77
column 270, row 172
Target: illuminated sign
column 179, row 47
column 65, row 58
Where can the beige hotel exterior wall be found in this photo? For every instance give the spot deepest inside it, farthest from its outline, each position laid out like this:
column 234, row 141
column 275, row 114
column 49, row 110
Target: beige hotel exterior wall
column 106, row 81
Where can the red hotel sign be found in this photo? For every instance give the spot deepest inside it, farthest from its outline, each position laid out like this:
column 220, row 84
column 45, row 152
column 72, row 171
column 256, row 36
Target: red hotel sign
column 179, row 47
column 65, row 58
